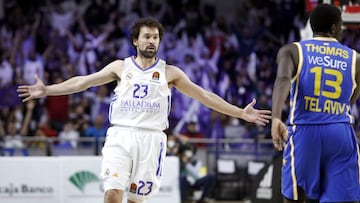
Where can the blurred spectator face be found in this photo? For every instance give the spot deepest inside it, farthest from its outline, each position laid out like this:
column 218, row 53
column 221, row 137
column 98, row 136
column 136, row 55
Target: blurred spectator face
column 32, row 55
column 58, row 78
column 188, row 154
column 172, row 145
column 95, row 30
column 79, row 110
column 102, row 91
column 192, row 127
column 11, row 128
column 188, row 59
column 99, row 121
column 68, row 127
column 59, row 8
column 5, row 111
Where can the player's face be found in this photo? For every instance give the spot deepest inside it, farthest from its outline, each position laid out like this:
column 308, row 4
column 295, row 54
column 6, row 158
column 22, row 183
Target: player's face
column 148, row 42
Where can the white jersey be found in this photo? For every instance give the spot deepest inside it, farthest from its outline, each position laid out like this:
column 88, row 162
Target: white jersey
column 142, row 99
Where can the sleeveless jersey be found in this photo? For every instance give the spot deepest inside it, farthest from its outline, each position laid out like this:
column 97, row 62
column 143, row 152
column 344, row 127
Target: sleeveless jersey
column 325, row 81
column 142, row 98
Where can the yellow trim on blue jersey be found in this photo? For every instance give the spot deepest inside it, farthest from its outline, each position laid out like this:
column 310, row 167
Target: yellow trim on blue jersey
column 301, row 61
column 296, row 78
column 351, row 118
column 293, row 175
column 353, row 77
column 353, row 72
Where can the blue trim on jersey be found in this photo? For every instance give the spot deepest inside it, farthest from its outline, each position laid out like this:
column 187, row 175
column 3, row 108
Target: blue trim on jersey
column 113, row 100
column 144, row 69
column 158, row 170
column 169, row 105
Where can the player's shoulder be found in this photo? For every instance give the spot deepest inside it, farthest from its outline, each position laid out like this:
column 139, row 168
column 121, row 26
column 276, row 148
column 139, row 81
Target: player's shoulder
column 119, row 61
column 116, row 63
column 288, row 49
column 115, row 66
column 173, row 72
column 171, row 68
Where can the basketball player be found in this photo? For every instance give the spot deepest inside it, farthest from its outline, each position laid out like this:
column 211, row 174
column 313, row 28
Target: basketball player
column 135, row 145
column 321, row 157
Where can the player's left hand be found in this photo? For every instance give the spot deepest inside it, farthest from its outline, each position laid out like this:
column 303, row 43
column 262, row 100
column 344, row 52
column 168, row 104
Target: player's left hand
column 253, row 115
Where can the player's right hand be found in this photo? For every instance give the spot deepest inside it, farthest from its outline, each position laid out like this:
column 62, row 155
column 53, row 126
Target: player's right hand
column 279, row 133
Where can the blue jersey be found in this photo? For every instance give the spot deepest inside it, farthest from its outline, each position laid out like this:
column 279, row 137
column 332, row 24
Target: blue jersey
column 324, row 83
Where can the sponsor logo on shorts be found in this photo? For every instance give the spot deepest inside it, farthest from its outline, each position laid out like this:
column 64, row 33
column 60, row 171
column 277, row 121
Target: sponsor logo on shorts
column 133, row 188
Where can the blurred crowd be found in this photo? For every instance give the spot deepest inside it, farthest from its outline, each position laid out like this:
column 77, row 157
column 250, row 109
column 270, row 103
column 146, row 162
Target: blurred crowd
column 231, row 54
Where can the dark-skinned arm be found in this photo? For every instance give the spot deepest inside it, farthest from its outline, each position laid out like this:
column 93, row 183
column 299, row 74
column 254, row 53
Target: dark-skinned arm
column 287, row 61
column 356, row 93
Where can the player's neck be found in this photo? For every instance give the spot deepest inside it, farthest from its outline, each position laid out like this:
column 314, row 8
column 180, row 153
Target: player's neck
column 322, row 34
column 144, row 62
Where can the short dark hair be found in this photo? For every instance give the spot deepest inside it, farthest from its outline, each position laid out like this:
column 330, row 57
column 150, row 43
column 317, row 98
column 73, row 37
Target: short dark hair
column 147, row 22
column 323, row 17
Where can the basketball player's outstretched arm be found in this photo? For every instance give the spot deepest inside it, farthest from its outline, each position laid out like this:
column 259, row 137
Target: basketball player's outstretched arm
column 181, row 82
column 72, row 85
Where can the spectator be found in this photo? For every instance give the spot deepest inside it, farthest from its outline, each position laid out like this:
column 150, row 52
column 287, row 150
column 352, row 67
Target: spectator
column 60, row 19
column 192, row 177
column 79, row 117
column 13, row 139
column 192, row 131
column 57, row 108
column 6, row 71
column 174, row 142
column 100, row 102
column 97, row 130
column 68, row 137
column 32, row 65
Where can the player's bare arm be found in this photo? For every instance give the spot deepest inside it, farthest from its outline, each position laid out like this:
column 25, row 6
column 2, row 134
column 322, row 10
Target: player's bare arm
column 356, row 93
column 75, row 84
column 181, row 82
column 287, row 58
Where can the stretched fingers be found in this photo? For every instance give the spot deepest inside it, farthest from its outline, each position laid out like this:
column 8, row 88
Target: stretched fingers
column 263, row 120
column 264, row 111
column 22, row 89
column 260, row 122
column 27, row 99
column 26, row 94
column 265, row 116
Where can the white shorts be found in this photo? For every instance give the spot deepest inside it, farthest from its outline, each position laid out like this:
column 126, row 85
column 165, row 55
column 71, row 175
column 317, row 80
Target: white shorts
column 133, row 159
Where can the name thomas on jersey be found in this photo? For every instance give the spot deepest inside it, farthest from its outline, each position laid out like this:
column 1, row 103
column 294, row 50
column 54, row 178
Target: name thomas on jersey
column 332, row 58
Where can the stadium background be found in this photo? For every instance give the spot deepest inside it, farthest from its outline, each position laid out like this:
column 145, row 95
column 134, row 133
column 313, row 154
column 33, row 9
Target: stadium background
column 226, row 46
